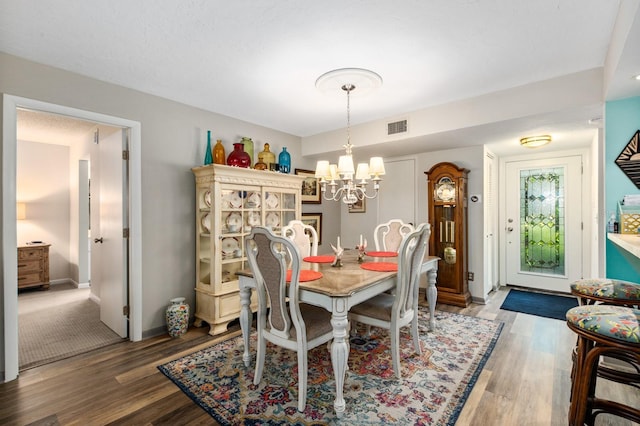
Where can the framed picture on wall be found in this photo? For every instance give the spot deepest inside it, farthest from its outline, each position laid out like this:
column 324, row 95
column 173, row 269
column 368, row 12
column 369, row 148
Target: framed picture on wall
column 310, row 187
column 359, row 206
column 315, row 220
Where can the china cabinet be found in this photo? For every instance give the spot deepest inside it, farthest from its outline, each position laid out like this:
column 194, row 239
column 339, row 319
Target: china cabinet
column 447, row 198
column 229, row 202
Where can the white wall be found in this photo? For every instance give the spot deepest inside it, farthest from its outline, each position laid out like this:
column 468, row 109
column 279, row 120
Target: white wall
column 43, row 185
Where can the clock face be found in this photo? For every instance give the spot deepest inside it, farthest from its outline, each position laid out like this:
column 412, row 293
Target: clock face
column 445, row 190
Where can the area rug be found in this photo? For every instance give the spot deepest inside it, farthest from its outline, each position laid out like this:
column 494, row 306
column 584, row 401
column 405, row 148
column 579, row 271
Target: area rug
column 540, row 304
column 433, row 388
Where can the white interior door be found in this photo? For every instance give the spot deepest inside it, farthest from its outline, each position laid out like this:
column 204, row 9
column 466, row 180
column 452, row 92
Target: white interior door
column 109, row 274
column 543, row 229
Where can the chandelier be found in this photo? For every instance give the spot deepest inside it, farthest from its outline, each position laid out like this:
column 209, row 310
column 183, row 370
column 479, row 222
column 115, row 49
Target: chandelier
column 345, row 181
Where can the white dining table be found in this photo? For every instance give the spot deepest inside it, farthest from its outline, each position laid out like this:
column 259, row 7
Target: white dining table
column 337, row 291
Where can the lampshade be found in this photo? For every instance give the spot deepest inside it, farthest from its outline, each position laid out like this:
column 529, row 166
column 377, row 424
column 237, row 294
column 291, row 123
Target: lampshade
column 322, row 170
column 535, row 141
column 21, row 211
column 376, row 166
column 345, row 165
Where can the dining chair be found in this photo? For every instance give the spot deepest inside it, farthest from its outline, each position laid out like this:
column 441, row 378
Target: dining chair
column 304, row 236
column 388, row 236
column 393, row 311
column 282, row 319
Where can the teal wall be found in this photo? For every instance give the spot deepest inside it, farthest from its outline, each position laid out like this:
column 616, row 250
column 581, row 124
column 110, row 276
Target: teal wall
column 622, row 121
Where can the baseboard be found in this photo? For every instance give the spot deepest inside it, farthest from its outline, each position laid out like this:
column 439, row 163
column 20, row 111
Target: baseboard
column 94, row 298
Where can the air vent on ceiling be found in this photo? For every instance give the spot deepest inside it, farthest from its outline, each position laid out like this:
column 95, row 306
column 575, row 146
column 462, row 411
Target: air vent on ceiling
column 397, row 127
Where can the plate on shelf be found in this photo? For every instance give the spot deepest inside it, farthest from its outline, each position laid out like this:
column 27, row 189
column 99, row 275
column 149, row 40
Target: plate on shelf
column 229, row 246
column 253, row 219
column 233, row 221
column 272, row 219
column 207, row 198
column 272, row 200
column 253, row 200
column 234, row 199
column 206, row 222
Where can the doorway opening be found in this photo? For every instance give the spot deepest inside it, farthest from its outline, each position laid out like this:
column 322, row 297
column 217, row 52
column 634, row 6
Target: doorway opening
column 11, row 104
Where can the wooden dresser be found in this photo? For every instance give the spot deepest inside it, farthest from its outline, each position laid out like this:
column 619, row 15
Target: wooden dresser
column 33, row 265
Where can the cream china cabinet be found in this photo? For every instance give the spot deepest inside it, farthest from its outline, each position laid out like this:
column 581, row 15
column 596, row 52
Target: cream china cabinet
column 229, row 202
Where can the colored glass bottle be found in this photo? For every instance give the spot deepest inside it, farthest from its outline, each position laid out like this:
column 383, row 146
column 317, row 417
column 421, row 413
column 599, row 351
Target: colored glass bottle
column 238, row 157
column 284, row 161
column 208, row 158
column 219, row 156
column 267, row 157
column 248, row 148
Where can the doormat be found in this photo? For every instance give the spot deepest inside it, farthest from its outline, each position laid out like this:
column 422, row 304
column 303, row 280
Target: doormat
column 540, row 304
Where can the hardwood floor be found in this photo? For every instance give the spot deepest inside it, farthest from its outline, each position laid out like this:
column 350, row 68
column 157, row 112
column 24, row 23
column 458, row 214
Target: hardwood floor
column 525, row 381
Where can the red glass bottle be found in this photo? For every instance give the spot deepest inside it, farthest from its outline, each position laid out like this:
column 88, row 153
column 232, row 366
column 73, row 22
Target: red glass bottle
column 238, row 157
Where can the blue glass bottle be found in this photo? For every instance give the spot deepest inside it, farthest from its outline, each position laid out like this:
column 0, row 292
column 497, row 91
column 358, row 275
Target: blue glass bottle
column 208, row 157
column 284, row 161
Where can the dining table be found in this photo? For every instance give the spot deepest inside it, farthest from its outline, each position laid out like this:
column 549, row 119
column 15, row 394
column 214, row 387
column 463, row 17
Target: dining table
column 338, row 289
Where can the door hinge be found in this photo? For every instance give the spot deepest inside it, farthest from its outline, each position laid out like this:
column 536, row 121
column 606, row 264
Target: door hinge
column 125, row 155
column 125, row 233
column 125, row 310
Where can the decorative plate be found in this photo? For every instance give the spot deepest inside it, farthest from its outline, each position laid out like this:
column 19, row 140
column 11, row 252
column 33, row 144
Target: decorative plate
column 272, row 201
column 206, row 222
column 233, row 221
column 229, row 246
column 253, row 201
column 272, row 219
column 253, row 219
column 234, row 199
column 207, row 198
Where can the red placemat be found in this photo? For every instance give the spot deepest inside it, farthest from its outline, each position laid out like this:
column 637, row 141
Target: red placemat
column 306, row 275
column 381, row 253
column 380, row 266
column 319, row 259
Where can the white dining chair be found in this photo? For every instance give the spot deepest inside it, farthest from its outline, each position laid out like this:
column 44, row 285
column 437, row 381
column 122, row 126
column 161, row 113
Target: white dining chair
column 388, row 236
column 282, row 319
column 304, row 237
column 393, row 311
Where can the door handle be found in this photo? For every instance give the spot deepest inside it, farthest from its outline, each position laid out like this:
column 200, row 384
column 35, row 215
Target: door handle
column 98, row 240
column 509, row 229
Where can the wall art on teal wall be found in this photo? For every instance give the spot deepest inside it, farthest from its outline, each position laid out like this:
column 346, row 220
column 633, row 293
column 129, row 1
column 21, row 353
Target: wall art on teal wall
column 629, row 159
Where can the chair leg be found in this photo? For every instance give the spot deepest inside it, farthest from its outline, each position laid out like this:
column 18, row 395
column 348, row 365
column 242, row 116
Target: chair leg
column 414, row 332
column 395, row 350
column 302, row 378
column 260, row 354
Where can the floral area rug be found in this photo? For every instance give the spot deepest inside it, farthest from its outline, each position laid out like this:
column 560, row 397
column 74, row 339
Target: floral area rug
column 432, row 391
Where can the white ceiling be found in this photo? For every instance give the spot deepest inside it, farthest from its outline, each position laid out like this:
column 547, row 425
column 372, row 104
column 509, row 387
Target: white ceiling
column 258, row 61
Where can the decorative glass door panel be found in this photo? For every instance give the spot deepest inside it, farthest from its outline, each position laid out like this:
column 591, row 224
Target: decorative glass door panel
column 542, row 233
column 542, row 219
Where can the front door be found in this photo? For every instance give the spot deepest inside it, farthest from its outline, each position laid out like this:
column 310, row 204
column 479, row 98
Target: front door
column 544, row 223
column 109, row 256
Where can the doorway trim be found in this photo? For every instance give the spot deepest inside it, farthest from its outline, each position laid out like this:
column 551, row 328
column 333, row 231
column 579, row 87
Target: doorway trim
column 586, row 201
column 9, row 238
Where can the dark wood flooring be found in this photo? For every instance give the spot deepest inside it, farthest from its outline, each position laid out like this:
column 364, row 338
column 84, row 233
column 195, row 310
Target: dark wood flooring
column 525, row 382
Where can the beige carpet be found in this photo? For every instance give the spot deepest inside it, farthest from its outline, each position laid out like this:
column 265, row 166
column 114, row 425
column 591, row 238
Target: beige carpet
column 59, row 323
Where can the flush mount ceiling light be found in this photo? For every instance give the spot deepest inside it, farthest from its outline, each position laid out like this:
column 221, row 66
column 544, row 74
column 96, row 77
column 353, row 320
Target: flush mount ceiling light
column 637, row 77
column 535, row 141
column 354, row 181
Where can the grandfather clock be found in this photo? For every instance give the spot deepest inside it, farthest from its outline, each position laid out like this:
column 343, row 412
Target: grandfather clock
column 447, row 198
